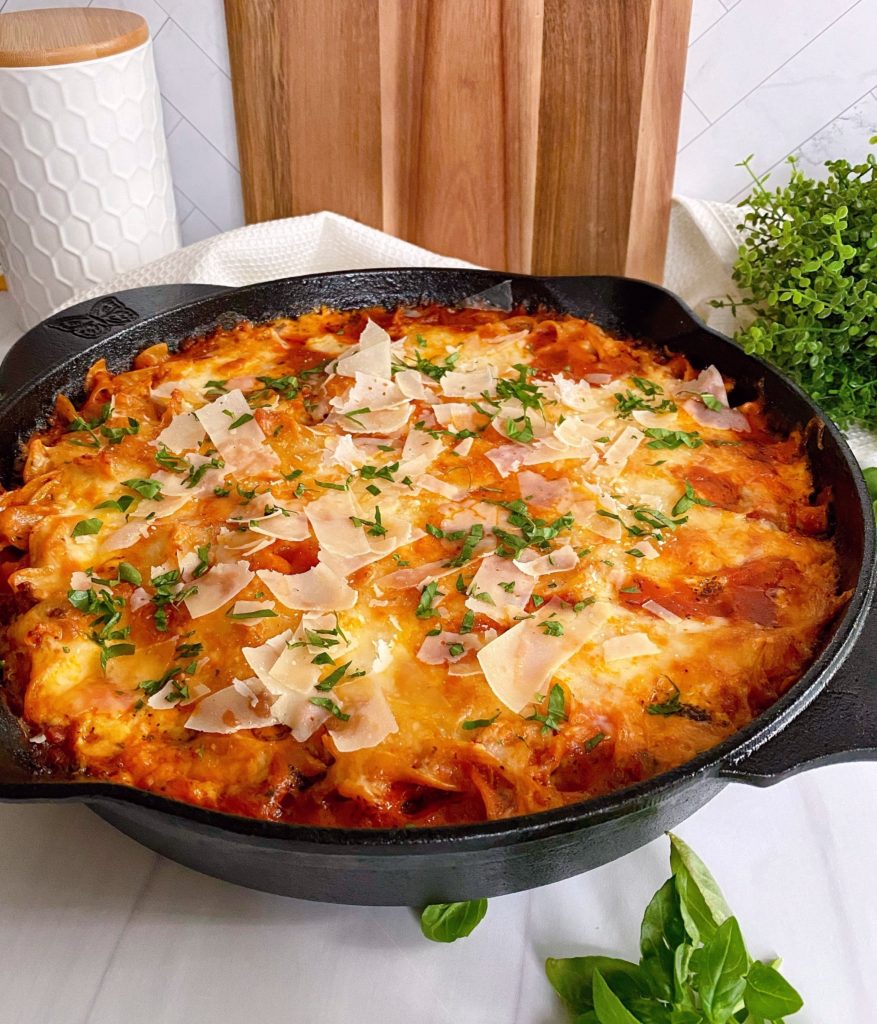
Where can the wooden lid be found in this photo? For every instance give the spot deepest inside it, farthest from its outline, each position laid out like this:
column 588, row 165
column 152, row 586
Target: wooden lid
column 67, row 35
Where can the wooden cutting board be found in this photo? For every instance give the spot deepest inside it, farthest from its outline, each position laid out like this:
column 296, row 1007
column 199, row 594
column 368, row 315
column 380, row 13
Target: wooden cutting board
column 528, row 135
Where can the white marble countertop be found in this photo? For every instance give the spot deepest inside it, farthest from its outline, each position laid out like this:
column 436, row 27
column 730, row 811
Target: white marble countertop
column 95, row 929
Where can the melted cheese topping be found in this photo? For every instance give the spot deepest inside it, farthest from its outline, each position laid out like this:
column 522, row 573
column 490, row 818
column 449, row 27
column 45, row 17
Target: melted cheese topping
column 384, row 568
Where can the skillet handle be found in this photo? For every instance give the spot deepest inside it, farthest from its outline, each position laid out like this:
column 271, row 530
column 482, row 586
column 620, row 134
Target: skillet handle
column 84, row 325
column 839, row 725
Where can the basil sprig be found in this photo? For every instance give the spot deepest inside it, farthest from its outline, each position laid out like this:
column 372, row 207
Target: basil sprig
column 693, row 969
column 447, row 922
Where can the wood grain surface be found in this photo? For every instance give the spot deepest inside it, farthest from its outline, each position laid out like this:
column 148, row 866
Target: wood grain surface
column 67, row 35
column 529, row 135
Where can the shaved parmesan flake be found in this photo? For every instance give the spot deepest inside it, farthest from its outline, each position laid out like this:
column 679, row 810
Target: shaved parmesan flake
column 230, row 710
column 187, row 564
column 727, row 419
column 318, row 589
column 399, row 533
column 446, row 490
column 603, row 526
column 710, row 382
column 419, row 450
column 414, row 576
column 344, row 451
column 661, row 612
column 384, row 421
column 248, row 611
column 370, row 355
column 331, row 517
column 574, row 433
column 286, row 525
column 183, row 433
column 169, row 696
column 621, row 449
column 139, row 599
column 162, row 393
column 456, row 416
column 244, row 447
column 499, row 590
column 217, row 587
column 232, row 545
column 469, row 383
column 464, row 447
column 302, row 717
column 370, row 392
column 149, row 509
column 413, row 384
column 520, row 663
column 647, row 548
column 294, row 669
column 193, row 484
column 629, row 645
column 562, row 560
column 383, row 655
column 508, row 458
column 574, row 394
column 82, row 581
column 435, row 650
column 371, row 722
column 645, row 418
column 536, row 490
column 124, row 537
column 261, row 659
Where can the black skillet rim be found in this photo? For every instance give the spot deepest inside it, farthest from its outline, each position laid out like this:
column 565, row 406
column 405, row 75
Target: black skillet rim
column 541, row 824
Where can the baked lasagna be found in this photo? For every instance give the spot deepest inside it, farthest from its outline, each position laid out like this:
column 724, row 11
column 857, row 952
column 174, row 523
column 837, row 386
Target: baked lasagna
column 405, row 567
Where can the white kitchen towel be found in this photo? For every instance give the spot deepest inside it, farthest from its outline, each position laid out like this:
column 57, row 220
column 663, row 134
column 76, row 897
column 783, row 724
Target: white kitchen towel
column 702, row 247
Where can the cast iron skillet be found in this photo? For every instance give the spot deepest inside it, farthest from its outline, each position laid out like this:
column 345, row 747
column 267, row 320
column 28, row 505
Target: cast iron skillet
column 829, row 715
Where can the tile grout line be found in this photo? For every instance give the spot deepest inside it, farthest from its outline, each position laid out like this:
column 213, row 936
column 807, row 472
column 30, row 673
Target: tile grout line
column 185, row 119
column 697, row 108
column 797, row 53
column 195, row 42
column 197, row 209
column 798, row 145
column 721, row 17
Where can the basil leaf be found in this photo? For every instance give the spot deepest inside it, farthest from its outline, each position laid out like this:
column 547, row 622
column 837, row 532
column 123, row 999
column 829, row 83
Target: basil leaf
column 661, row 932
column 682, row 974
column 768, row 994
column 721, row 971
column 700, row 900
column 128, row 574
column 85, row 527
column 573, row 978
column 447, row 922
column 608, row 1007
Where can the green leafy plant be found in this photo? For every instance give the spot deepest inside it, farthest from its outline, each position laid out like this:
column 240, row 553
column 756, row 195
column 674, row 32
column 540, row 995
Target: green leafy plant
column 807, row 269
column 871, row 481
column 693, row 968
column 447, row 922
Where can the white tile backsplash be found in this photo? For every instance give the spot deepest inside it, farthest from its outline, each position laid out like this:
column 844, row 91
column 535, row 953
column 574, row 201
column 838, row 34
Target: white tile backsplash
column 769, row 77
column 203, row 174
column 746, row 46
column 197, row 87
column 799, row 99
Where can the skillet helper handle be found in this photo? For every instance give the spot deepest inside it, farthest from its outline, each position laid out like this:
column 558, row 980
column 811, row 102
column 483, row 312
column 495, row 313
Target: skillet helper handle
column 79, row 327
column 839, row 725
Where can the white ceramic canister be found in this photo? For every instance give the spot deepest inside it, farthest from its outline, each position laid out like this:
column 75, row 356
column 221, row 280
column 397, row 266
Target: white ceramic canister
column 85, row 184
